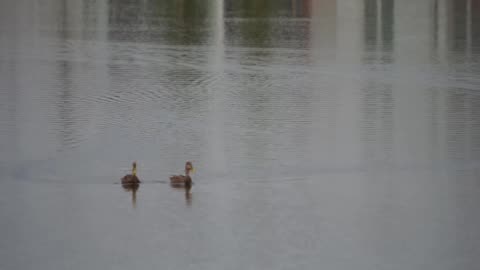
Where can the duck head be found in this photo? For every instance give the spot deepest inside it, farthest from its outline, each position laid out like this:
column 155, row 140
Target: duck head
column 189, row 168
column 134, row 168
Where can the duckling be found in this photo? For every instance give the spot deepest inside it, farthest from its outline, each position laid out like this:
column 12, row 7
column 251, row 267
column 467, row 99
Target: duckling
column 131, row 178
column 183, row 180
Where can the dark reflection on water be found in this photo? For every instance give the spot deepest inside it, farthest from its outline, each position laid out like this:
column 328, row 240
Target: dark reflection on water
column 332, row 134
column 185, row 189
column 132, row 188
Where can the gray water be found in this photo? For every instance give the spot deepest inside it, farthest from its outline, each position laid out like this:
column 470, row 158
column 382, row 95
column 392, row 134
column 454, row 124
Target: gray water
column 325, row 134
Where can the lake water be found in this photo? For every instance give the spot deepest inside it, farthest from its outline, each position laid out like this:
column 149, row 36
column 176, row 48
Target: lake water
column 325, row 134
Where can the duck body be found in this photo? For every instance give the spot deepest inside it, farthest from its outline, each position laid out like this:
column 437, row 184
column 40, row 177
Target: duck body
column 183, row 180
column 130, row 179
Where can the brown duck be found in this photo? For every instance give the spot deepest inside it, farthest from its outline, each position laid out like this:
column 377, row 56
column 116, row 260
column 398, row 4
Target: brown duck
column 183, row 180
column 131, row 178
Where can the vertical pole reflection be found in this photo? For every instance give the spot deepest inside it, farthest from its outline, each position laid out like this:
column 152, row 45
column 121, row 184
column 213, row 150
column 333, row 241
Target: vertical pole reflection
column 409, row 111
column 323, row 42
column 337, row 28
column 442, row 30
column 469, row 28
column 348, row 58
column 379, row 24
column 216, row 93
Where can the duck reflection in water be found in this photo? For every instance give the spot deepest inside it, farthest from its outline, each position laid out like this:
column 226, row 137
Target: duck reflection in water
column 132, row 187
column 187, row 189
column 188, row 195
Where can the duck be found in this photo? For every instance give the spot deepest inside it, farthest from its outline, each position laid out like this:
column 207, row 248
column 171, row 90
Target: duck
column 183, row 180
column 131, row 178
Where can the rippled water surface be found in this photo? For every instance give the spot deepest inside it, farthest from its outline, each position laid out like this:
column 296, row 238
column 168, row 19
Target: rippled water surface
column 325, row 134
